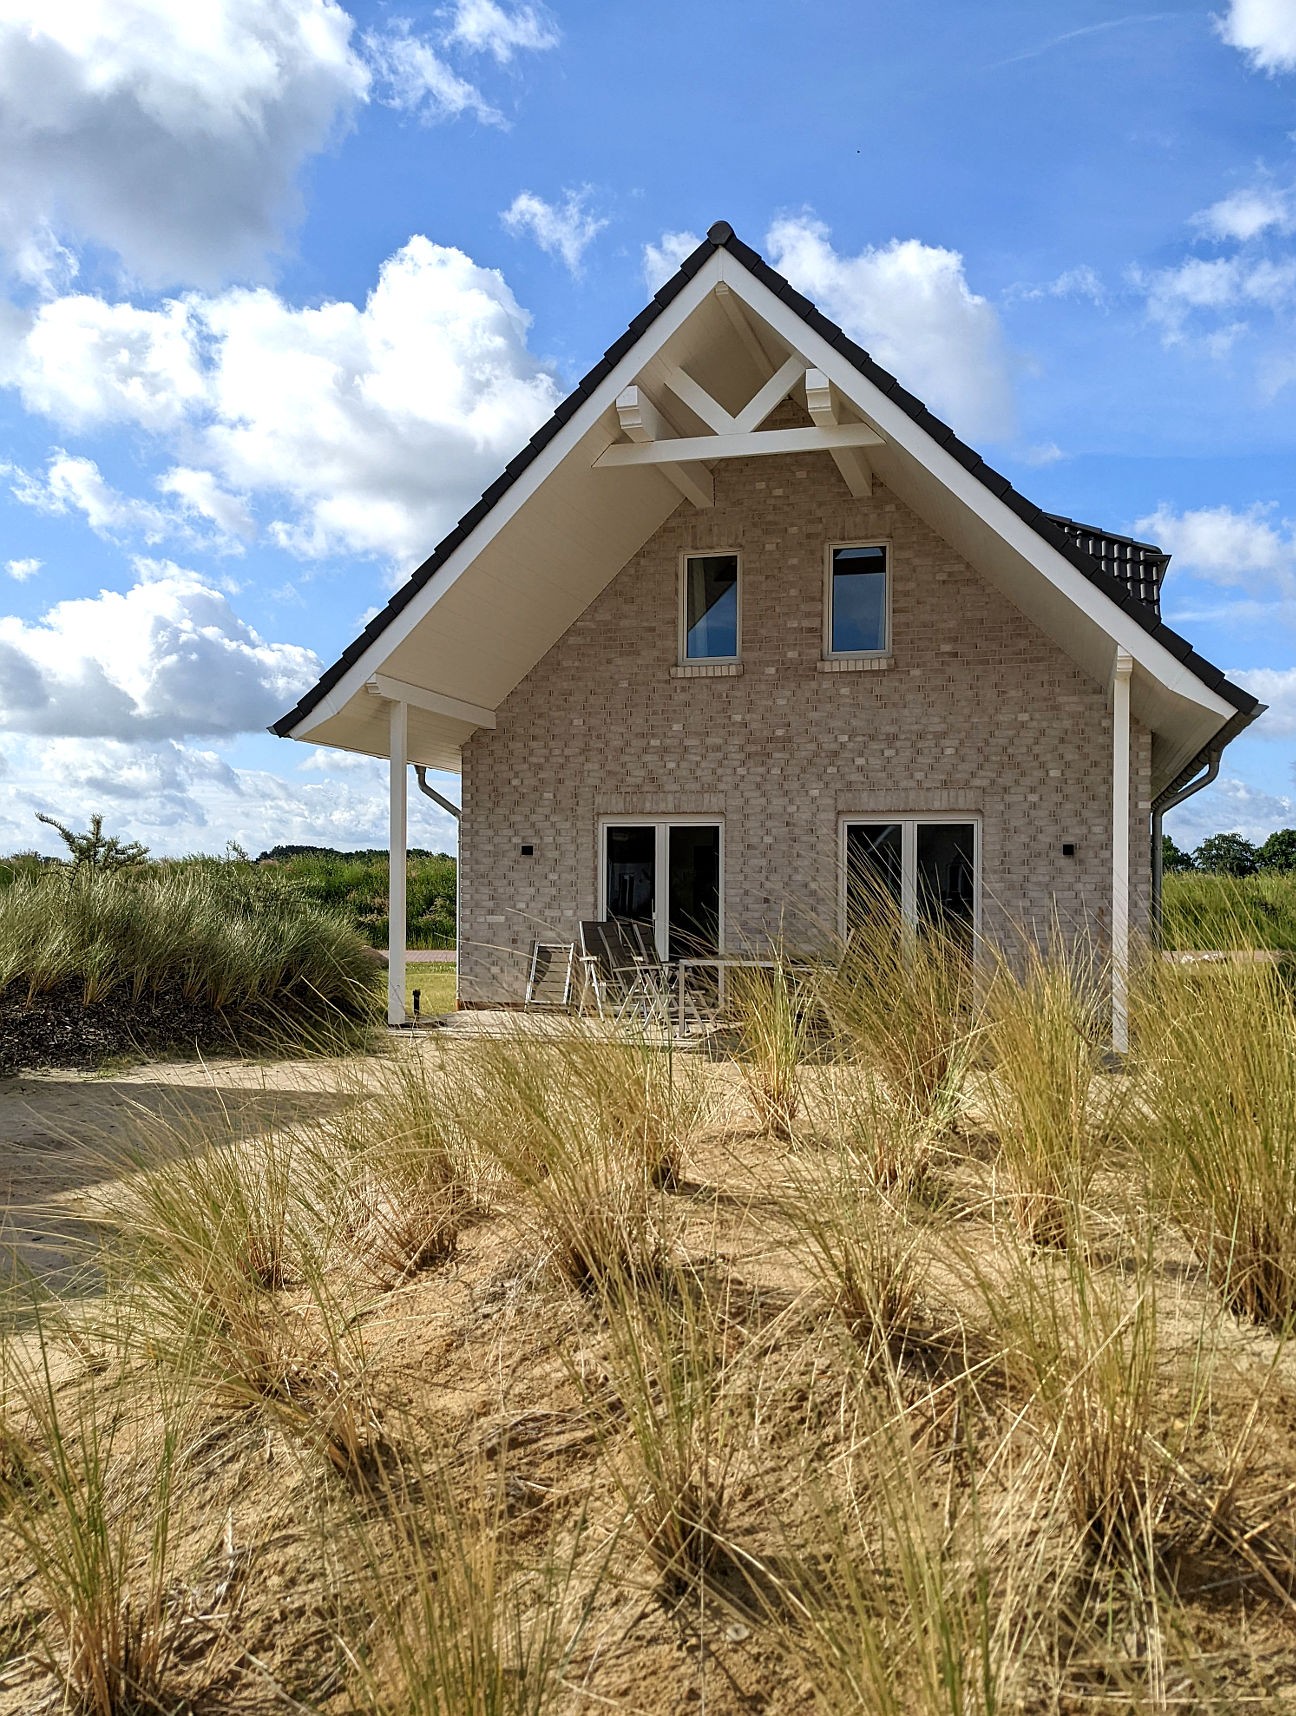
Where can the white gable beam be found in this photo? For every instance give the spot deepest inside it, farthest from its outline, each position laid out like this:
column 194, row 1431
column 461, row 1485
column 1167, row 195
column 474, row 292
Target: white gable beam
column 435, row 702
column 736, row 315
column 824, row 406
column 843, row 435
column 698, row 400
column 775, row 390
column 644, row 423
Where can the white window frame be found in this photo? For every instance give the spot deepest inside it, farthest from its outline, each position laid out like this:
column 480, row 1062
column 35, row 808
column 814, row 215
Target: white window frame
column 908, row 821
column 661, row 860
column 685, row 659
column 829, row 653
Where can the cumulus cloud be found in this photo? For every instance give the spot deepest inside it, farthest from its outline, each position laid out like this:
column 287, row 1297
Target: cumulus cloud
column 1264, row 30
column 910, row 304
column 172, row 138
column 23, row 569
column 167, row 657
column 486, row 27
column 1226, row 546
column 364, row 429
column 180, row 798
column 661, row 260
column 565, row 229
column 173, row 135
column 1079, row 282
column 1194, row 293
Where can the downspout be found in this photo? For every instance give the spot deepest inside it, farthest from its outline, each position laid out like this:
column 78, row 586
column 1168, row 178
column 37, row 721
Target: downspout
column 1169, row 801
column 420, row 775
column 1187, row 782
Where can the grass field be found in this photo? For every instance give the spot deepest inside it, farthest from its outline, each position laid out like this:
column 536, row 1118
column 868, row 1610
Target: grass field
column 436, row 984
column 1222, row 911
column 893, row 1359
column 355, row 884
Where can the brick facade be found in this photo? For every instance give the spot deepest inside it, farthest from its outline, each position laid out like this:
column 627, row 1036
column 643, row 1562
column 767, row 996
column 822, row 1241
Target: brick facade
column 976, row 713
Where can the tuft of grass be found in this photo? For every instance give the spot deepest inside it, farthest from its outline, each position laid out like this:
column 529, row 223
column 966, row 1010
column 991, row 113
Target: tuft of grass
column 899, row 1001
column 1206, row 913
column 1217, row 1055
column 1043, row 1090
column 775, row 1016
column 91, row 1512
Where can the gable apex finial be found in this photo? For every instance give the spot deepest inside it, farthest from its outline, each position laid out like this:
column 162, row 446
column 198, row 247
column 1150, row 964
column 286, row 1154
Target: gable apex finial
column 720, row 232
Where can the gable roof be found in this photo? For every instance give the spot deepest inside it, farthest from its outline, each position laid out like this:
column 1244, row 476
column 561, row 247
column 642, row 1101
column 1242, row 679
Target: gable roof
column 1124, row 571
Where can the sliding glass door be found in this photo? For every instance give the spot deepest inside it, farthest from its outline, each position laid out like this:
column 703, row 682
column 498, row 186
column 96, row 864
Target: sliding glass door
column 666, row 877
column 925, row 868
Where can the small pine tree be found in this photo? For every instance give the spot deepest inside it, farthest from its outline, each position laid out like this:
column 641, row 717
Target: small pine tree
column 1279, row 851
column 1174, row 860
column 95, row 849
column 1227, row 855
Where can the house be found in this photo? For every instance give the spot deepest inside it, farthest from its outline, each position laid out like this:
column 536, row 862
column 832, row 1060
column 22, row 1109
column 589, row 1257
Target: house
column 744, row 619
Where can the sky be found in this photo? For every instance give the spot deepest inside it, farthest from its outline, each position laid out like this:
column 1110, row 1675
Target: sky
column 285, row 283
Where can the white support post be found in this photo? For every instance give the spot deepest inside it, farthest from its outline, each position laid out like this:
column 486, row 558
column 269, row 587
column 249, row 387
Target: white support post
column 396, row 836
column 1120, row 850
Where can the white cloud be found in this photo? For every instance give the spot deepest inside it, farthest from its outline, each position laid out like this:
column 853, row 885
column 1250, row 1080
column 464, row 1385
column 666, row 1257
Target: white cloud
column 199, row 493
column 565, row 229
column 167, row 657
column 1080, row 282
column 910, row 304
column 1232, row 805
column 374, row 425
column 74, row 484
column 486, row 27
column 416, row 79
column 661, row 260
column 1275, row 686
column 88, row 362
column 169, row 134
column 1045, row 453
column 1226, row 546
column 1200, row 288
column 180, row 798
column 1264, row 30
column 23, row 569
column 1247, row 212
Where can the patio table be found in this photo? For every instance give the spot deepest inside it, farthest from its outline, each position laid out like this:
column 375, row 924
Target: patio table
column 720, row 964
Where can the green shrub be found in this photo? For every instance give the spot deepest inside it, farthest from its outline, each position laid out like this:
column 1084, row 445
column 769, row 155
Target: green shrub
column 355, row 883
column 1203, row 912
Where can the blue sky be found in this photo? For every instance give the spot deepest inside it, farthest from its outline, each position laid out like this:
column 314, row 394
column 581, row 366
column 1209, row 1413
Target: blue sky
column 285, row 284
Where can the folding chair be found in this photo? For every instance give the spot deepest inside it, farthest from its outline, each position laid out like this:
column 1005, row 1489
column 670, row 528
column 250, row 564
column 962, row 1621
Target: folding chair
column 553, row 968
column 620, row 963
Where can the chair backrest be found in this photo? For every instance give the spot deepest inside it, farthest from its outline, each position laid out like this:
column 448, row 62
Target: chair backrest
column 644, row 942
column 609, row 944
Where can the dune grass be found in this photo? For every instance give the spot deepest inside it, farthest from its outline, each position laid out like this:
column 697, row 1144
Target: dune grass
column 354, row 885
column 542, row 1374
column 1202, row 913
column 227, row 938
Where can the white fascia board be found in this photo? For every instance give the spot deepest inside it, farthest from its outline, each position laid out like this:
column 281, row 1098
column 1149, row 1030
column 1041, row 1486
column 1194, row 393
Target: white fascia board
column 898, row 427
column 520, row 491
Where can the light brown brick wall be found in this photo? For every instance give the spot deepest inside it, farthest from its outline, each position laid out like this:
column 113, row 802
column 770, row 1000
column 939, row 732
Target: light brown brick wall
column 977, row 713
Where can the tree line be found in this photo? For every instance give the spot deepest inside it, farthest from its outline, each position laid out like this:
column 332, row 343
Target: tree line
column 1233, row 855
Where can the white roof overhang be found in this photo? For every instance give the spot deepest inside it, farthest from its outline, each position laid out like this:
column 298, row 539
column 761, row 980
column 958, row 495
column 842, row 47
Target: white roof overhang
column 565, row 526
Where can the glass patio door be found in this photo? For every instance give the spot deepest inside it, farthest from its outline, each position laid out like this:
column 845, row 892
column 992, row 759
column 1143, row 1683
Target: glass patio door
column 926, row 869
column 665, row 877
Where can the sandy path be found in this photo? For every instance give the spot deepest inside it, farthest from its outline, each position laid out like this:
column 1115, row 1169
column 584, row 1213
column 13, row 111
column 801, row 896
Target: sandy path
column 60, row 1133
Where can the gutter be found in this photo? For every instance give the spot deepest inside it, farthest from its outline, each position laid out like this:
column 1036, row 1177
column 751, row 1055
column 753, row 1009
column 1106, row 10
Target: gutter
column 420, row 775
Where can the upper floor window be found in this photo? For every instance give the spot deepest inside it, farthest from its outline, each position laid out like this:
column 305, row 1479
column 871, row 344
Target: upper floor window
column 710, row 607
column 859, row 608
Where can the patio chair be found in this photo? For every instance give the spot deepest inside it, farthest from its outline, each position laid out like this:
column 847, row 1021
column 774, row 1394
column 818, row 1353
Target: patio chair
column 553, row 969
column 622, row 969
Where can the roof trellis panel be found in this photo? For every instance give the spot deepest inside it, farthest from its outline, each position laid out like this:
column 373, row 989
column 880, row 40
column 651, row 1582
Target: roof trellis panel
column 1139, row 566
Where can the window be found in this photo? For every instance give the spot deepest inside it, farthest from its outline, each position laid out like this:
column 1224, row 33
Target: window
column 858, row 604
column 926, row 868
column 710, row 608
column 666, row 877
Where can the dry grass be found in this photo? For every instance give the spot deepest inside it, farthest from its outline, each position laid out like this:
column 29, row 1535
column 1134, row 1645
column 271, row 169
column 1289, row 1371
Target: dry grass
column 524, row 1376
